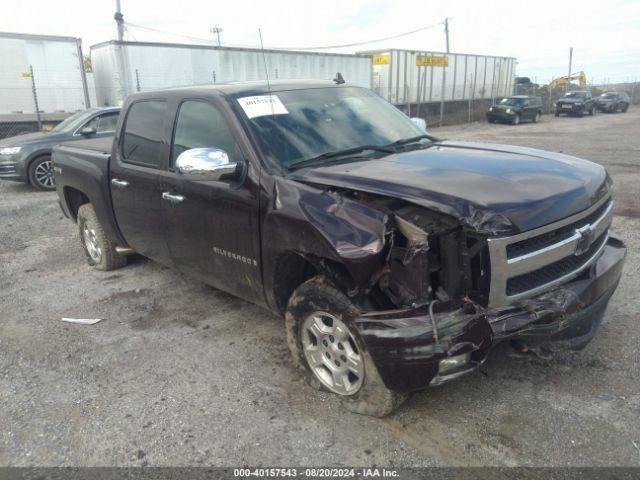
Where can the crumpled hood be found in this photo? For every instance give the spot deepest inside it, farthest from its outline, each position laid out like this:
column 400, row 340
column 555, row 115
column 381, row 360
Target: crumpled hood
column 33, row 139
column 493, row 188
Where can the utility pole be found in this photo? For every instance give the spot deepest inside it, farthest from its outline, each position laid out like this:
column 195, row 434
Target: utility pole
column 446, row 32
column 119, row 18
column 216, row 30
column 569, row 74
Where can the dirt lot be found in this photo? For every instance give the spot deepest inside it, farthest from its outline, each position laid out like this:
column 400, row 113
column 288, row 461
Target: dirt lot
column 181, row 374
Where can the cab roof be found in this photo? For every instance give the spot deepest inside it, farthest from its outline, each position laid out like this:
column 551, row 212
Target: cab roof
column 257, row 87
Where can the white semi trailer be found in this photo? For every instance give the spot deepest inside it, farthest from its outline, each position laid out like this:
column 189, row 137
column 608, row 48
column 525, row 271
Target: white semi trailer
column 42, row 81
column 122, row 68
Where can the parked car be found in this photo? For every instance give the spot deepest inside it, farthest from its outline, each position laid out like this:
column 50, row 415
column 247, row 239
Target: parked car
column 516, row 109
column 576, row 103
column 397, row 260
column 613, row 102
column 27, row 158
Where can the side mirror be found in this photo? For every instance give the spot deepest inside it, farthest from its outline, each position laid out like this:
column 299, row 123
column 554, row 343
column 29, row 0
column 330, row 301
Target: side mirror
column 205, row 164
column 420, row 123
column 88, row 131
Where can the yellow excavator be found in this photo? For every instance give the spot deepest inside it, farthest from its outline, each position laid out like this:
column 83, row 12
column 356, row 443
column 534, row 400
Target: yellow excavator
column 580, row 76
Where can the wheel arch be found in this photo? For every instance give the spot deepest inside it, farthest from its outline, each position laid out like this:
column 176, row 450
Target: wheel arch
column 74, row 199
column 293, row 268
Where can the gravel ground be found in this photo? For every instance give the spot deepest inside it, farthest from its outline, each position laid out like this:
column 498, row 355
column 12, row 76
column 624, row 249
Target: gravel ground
column 181, row 374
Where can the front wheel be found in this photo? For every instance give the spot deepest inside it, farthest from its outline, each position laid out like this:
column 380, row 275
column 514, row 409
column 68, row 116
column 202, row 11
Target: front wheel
column 41, row 173
column 592, row 112
column 557, row 113
column 101, row 252
column 327, row 349
column 516, row 119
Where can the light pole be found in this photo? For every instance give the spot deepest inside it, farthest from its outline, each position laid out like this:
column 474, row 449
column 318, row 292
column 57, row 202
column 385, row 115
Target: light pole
column 446, row 32
column 216, row 30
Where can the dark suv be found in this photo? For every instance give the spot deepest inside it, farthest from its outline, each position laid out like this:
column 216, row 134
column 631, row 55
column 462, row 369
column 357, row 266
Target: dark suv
column 514, row 109
column 27, row 158
column 613, row 101
column 576, row 103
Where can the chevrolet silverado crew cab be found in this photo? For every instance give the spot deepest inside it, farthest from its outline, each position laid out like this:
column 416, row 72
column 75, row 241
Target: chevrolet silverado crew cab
column 397, row 260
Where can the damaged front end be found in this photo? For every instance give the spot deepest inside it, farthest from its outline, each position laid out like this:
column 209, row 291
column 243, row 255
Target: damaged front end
column 438, row 290
column 431, row 312
column 444, row 281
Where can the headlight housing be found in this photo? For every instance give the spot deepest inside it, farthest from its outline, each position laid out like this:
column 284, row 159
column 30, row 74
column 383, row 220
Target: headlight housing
column 491, row 109
column 9, row 150
column 509, row 110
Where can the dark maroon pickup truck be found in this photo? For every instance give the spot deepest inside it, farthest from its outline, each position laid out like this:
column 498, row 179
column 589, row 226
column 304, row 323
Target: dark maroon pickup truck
column 397, row 260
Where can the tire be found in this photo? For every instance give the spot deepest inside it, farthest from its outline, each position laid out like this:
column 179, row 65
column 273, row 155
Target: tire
column 41, row 173
column 100, row 251
column 625, row 108
column 317, row 306
column 557, row 113
column 537, row 117
column 592, row 112
column 516, row 119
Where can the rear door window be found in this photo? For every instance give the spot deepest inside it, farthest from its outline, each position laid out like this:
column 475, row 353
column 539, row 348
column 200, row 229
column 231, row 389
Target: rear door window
column 143, row 132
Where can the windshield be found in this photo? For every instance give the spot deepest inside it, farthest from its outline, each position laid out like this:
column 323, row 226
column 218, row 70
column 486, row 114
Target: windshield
column 511, row 101
column 309, row 123
column 574, row 95
column 74, row 121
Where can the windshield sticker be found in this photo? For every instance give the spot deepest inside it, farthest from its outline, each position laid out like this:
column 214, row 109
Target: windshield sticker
column 261, row 105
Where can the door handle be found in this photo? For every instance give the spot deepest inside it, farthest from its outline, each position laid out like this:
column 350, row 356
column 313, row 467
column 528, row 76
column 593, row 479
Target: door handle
column 116, row 182
column 172, row 197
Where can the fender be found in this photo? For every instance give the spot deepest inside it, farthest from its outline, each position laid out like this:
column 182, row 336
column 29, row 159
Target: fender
column 320, row 224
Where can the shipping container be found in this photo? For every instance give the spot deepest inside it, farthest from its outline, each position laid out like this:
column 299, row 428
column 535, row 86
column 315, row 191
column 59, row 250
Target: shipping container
column 409, row 76
column 122, row 68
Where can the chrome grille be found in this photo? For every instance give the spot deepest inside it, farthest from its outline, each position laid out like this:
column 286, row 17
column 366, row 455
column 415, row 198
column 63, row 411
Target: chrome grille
column 532, row 262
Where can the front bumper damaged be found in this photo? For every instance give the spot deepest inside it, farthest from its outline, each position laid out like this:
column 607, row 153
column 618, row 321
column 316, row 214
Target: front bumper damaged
column 410, row 354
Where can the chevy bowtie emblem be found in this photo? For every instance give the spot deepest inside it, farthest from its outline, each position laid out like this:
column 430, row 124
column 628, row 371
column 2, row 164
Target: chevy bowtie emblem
column 585, row 240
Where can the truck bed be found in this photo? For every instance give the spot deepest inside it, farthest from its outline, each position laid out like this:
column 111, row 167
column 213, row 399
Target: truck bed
column 101, row 145
column 83, row 166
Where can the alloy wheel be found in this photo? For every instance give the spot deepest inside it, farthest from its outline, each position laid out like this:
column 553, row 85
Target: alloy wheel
column 44, row 174
column 332, row 353
column 90, row 239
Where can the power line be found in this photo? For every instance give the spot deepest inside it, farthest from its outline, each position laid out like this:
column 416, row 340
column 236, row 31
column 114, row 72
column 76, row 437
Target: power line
column 405, row 34
column 322, row 47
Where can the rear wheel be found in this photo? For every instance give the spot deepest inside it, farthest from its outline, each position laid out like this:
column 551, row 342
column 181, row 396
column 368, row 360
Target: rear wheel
column 101, row 252
column 557, row 113
column 327, row 349
column 41, row 173
column 625, row 108
column 537, row 117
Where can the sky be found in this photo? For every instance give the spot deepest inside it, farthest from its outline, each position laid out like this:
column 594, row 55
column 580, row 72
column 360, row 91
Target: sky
column 605, row 35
